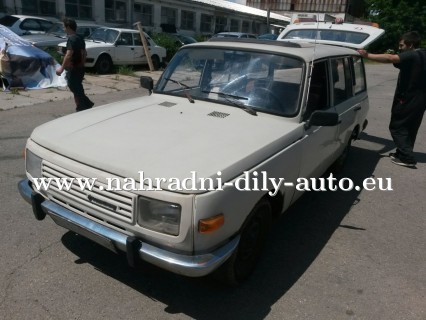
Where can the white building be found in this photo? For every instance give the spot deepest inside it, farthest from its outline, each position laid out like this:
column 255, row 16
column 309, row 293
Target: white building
column 191, row 17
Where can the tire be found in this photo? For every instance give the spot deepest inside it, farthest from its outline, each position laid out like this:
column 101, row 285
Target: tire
column 253, row 235
column 156, row 62
column 104, row 64
column 340, row 162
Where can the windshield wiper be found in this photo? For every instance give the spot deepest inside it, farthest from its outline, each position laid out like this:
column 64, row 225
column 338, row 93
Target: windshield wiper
column 233, row 99
column 183, row 86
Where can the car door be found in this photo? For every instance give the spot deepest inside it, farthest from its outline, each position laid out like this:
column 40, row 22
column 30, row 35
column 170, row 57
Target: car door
column 139, row 56
column 319, row 143
column 349, row 95
column 124, row 51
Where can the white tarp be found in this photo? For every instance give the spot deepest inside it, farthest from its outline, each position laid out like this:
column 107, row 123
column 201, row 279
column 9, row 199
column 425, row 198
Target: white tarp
column 23, row 65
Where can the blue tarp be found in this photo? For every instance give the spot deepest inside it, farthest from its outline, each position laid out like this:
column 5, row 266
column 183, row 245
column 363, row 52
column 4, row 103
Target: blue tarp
column 23, row 65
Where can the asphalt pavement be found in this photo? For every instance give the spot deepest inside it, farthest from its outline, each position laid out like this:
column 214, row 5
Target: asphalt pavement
column 93, row 85
column 358, row 255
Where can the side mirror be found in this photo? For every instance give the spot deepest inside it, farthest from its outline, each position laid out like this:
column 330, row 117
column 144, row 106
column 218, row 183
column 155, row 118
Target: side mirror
column 147, row 83
column 322, row 118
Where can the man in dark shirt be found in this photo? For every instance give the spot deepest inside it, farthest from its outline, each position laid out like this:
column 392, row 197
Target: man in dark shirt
column 409, row 101
column 73, row 63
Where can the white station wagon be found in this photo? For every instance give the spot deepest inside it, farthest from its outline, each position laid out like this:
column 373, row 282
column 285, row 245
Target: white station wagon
column 108, row 47
column 194, row 163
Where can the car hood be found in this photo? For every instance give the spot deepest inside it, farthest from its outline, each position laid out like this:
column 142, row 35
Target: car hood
column 168, row 137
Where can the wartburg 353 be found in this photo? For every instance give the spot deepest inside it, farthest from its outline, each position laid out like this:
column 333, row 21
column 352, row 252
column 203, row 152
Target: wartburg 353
column 183, row 177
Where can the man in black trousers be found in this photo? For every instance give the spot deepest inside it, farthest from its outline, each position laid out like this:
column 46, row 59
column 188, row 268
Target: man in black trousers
column 409, row 101
column 73, row 63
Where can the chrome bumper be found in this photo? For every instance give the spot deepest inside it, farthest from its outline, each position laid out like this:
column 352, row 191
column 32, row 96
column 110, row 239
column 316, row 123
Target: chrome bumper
column 135, row 249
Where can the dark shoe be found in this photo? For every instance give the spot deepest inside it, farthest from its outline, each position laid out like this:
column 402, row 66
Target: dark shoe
column 393, row 155
column 409, row 164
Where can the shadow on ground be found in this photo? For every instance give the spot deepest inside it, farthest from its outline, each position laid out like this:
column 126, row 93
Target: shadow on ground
column 295, row 242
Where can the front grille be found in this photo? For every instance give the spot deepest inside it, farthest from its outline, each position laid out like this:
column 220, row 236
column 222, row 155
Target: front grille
column 95, row 202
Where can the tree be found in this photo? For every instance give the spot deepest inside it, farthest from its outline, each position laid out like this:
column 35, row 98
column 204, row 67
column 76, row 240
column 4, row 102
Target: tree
column 396, row 17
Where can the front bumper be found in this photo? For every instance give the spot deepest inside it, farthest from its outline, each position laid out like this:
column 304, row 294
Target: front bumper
column 135, row 249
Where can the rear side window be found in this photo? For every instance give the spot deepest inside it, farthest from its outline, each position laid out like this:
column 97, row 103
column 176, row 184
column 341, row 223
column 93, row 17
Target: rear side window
column 31, row 24
column 359, row 83
column 342, row 84
column 8, row 21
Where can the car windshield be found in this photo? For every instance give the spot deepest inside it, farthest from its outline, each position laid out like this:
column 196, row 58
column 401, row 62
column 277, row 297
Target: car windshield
column 104, row 35
column 260, row 81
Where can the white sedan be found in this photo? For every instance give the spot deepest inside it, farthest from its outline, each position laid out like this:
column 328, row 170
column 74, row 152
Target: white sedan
column 108, row 47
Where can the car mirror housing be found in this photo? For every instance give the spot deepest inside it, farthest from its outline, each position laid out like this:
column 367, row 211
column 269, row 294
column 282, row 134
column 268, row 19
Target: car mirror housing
column 322, row 118
column 147, row 83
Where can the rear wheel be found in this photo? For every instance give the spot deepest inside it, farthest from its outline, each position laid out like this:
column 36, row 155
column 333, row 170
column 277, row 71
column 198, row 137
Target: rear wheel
column 155, row 62
column 253, row 235
column 104, row 64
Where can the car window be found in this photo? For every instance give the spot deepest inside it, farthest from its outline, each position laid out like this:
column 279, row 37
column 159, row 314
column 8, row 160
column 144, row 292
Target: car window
column 359, row 80
column 318, row 98
column 30, row 24
column 125, row 39
column 137, row 39
column 8, row 21
column 45, row 25
column 341, row 76
column 262, row 81
column 334, row 35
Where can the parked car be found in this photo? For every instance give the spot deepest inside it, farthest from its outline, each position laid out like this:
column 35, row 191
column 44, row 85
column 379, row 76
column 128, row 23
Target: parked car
column 348, row 34
column 56, row 34
column 182, row 39
column 228, row 117
column 108, row 47
column 21, row 24
column 268, row 36
column 234, row 35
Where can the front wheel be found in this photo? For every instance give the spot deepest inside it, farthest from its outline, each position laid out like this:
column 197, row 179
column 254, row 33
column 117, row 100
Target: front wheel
column 155, row 62
column 104, row 64
column 253, row 235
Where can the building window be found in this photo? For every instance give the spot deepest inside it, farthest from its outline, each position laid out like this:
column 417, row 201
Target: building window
column 39, row 7
column 206, row 23
column 168, row 16
column 115, row 11
column 234, row 25
column 78, row 9
column 220, row 24
column 187, row 20
column 144, row 14
column 245, row 27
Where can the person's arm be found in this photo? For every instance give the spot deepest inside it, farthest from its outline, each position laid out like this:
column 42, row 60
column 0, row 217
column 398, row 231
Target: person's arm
column 66, row 62
column 384, row 57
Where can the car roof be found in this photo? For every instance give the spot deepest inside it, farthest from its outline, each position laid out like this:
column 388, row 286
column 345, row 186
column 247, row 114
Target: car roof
column 305, row 50
column 120, row 29
column 20, row 16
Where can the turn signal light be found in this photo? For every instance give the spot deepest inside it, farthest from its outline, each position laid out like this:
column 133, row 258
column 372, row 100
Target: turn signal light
column 212, row 224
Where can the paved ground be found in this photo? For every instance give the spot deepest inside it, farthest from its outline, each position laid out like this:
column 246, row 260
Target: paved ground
column 333, row 256
column 93, row 85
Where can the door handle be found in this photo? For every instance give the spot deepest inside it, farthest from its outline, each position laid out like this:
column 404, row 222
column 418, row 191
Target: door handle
column 357, row 108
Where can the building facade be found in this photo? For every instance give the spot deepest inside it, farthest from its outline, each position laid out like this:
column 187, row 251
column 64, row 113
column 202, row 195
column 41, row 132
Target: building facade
column 192, row 17
column 350, row 8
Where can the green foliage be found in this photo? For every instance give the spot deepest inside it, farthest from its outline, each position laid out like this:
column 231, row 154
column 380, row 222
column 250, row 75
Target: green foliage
column 396, row 17
column 55, row 54
column 166, row 41
column 125, row 70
